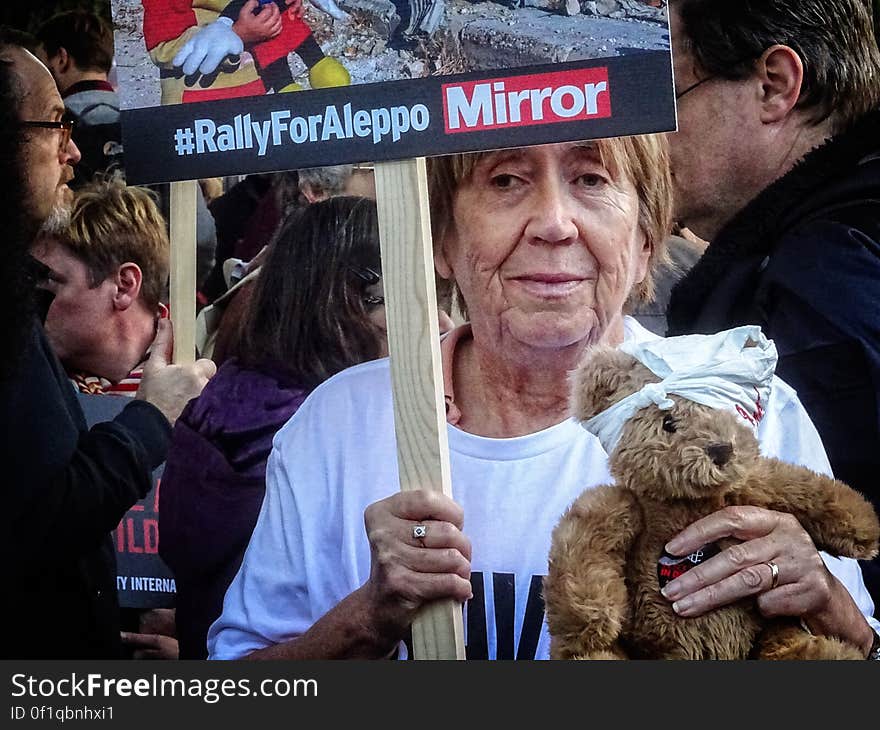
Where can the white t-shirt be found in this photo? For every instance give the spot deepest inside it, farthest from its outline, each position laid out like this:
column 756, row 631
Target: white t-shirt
column 337, row 455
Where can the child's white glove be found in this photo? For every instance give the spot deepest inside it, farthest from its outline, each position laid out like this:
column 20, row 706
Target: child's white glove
column 331, row 8
column 206, row 49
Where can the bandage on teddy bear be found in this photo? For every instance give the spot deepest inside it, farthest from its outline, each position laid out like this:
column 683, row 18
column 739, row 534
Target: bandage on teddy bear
column 678, row 419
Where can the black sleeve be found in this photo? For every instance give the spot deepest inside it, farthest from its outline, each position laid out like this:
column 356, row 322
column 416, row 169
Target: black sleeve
column 68, row 487
column 821, row 306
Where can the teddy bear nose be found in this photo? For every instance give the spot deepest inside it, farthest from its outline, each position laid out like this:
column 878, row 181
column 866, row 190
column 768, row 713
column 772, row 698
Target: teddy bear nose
column 720, row 453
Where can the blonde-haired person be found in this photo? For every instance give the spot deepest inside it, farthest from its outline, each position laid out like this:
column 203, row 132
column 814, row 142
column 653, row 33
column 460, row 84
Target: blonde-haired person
column 108, row 273
column 547, row 247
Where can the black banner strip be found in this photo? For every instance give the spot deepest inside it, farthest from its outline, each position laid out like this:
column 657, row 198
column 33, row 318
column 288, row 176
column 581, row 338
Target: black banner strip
column 401, row 119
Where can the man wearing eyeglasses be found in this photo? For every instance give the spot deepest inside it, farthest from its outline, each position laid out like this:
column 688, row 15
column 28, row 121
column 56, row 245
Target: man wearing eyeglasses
column 777, row 163
column 66, row 486
column 49, row 153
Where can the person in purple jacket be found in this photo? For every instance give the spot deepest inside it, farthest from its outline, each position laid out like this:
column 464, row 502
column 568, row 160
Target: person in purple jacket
column 317, row 308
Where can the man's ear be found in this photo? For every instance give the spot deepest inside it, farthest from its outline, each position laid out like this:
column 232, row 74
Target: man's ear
column 65, row 58
column 782, row 74
column 441, row 261
column 128, row 286
column 61, row 61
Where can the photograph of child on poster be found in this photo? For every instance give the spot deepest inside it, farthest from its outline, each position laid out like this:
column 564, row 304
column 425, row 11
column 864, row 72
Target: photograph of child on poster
column 172, row 51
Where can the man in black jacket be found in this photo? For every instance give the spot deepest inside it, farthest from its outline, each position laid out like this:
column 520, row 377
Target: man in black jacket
column 777, row 163
column 65, row 487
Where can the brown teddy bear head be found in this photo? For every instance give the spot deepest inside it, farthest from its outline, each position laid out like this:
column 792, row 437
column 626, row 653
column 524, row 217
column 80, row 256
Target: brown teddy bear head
column 690, row 451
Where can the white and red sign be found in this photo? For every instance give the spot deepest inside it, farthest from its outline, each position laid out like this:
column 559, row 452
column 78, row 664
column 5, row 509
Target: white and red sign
column 522, row 101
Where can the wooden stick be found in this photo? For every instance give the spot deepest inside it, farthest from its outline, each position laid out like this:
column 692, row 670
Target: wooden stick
column 183, row 269
column 416, row 376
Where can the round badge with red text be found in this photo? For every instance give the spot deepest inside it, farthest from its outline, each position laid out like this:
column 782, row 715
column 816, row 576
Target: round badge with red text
column 669, row 567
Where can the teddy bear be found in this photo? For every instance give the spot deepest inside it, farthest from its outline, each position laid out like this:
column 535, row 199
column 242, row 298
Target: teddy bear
column 674, row 461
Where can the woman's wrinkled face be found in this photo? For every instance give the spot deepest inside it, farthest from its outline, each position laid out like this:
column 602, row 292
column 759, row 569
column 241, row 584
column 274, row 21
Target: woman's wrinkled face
column 545, row 246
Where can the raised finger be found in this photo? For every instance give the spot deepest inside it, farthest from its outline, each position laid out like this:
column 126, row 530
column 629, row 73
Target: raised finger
column 742, row 522
column 162, row 348
column 746, row 582
column 720, row 566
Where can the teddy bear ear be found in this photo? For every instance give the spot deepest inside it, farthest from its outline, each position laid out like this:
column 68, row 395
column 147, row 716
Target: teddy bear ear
column 605, row 376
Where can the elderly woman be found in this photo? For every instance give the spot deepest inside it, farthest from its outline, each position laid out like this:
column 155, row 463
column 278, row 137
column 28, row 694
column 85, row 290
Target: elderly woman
column 546, row 245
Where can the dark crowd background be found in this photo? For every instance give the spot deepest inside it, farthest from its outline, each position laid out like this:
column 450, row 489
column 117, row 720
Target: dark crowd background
column 29, row 15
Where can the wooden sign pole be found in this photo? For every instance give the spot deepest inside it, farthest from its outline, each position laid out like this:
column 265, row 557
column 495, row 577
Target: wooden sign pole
column 183, row 269
column 416, row 376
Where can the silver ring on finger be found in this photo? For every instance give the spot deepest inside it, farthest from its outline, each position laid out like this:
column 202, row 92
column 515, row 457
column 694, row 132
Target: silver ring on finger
column 420, row 532
column 774, row 574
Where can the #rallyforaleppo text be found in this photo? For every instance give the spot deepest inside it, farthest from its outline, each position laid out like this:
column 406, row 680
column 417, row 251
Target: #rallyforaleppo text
column 467, row 107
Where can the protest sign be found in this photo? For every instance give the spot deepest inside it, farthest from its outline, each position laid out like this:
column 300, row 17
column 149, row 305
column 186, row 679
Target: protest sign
column 142, row 578
column 487, row 76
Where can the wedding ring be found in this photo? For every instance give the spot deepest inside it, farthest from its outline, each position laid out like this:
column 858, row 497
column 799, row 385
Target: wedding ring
column 420, row 532
column 774, row 574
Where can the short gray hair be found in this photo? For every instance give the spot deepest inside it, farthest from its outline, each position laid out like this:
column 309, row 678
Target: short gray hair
column 330, row 181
